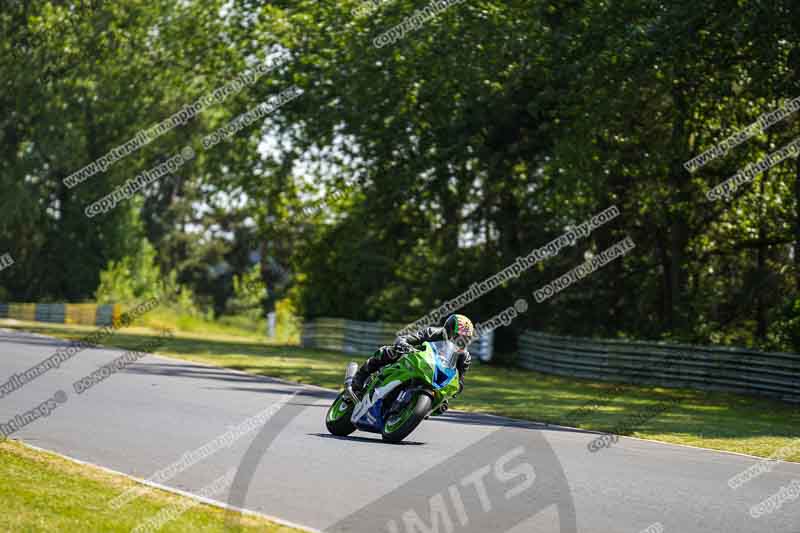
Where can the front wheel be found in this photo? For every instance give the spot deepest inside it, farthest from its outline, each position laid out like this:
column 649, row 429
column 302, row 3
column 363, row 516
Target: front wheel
column 338, row 418
column 399, row 425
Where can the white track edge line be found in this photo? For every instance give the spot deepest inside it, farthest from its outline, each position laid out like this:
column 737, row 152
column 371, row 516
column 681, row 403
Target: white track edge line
column 201, row 499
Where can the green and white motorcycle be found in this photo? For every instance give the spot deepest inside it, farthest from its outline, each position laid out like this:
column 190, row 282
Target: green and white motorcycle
column 399, row 396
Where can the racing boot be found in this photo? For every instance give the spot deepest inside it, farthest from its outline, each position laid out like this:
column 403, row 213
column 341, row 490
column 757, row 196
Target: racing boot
column 360, row 378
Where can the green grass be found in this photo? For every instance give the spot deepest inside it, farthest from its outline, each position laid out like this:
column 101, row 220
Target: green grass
column 713, row 420
column 45, row 492
column 238, row 326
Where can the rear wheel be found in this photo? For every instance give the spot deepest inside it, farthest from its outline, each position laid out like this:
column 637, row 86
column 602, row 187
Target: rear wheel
column 400, row 424
column 338, row 418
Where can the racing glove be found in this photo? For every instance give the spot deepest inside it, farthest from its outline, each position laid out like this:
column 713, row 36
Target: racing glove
column 402, row 347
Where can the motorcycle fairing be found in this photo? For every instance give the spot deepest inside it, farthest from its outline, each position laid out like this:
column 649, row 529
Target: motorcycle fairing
column 368, row 414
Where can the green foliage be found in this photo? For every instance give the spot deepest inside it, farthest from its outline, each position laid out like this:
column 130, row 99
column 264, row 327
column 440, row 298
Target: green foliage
column 249, row 292
column 509, row 122
column 787, row 327
column 137, row 278
column 132, row 279
column 287, row 325
column 404, row 174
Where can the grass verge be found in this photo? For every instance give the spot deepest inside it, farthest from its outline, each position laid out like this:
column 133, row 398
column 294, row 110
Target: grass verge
column 45, row 492
column 718, row 421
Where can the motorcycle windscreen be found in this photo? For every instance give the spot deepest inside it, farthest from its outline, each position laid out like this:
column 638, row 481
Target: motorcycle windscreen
column 445, row 355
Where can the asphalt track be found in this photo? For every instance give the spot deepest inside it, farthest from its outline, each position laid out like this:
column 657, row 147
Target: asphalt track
column 460, row 472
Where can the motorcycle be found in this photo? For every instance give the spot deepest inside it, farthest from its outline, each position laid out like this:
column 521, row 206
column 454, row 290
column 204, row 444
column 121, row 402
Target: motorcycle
column 397, row 398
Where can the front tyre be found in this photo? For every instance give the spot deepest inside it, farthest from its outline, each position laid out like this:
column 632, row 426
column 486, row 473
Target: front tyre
column 338, row 418
column 399, row 425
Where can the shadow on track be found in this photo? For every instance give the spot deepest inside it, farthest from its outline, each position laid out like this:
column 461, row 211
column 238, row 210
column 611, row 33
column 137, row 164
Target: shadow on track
column 374, row 440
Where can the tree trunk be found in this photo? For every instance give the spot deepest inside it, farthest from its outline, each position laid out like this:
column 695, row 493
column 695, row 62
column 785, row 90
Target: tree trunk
column 797, row 226
column 761, row 268
column 662, row 246
column 678, row 218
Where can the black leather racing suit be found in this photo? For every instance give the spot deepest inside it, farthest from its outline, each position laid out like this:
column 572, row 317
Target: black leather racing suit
column 405, row 344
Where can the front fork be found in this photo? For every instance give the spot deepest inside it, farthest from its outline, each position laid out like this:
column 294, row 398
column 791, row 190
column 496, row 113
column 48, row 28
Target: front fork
column 352, row 368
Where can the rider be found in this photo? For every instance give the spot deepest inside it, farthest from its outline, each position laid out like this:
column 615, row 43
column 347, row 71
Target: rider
column 457, row 328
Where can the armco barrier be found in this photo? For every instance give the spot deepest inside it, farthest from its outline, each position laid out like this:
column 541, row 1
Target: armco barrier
column 55, row 313
column 22, row 311
column 351, row 336
column 85, row 314
column 81, row 314
column 739, row 370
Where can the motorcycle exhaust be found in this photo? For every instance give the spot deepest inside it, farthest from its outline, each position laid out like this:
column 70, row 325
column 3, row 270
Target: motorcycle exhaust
column 352, row 368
